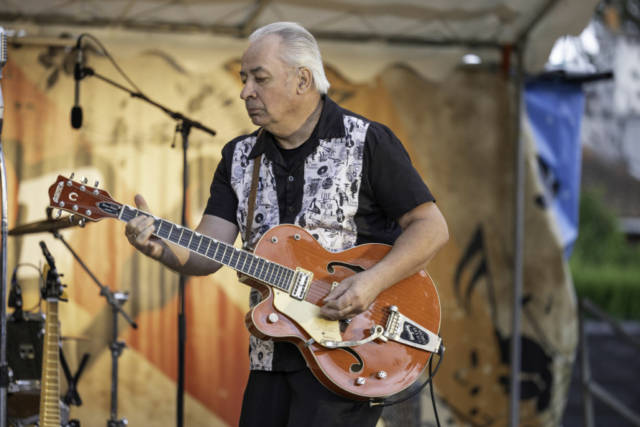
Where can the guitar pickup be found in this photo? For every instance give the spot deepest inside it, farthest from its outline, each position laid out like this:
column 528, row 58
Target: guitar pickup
column 404, row 330
column 301, row 282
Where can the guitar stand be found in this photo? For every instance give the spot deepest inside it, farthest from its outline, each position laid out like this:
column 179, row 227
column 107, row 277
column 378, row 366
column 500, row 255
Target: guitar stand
column 115, row 300
column 72, row 397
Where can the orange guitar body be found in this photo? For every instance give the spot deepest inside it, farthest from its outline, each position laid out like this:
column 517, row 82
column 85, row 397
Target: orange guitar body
column 415, row 296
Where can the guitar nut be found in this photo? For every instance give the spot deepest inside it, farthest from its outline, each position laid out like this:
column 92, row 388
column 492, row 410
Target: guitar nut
column 274, row 240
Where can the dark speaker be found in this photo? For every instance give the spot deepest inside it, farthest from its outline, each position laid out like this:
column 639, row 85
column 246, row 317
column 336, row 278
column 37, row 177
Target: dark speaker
column 24, row 347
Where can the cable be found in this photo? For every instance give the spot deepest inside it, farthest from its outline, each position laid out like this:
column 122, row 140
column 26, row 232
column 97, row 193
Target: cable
column 28, row 264
column 433, row 396
column 431, row 375
column 108, row 55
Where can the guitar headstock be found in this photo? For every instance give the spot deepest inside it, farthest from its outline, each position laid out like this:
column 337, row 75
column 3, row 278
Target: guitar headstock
column 79, row 199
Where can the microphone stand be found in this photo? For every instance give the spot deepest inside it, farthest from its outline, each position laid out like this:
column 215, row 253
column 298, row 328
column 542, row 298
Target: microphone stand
column 184, row 126
column 4, row 367
column 115, row 300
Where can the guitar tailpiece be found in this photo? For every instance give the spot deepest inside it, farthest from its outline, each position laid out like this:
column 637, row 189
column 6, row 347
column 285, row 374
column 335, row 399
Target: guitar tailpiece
column 401, row 329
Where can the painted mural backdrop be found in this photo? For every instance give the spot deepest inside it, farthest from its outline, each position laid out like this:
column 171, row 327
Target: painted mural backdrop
column 457, row 135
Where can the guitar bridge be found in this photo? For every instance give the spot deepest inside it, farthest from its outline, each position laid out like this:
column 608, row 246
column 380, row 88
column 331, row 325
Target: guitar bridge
column 301, row 282
column 404, row 330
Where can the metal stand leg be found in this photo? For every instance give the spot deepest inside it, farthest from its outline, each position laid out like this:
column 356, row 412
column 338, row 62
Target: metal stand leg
column 116, row 351
column 585, row 372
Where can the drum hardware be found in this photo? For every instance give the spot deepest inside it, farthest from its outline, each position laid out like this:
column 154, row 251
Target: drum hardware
column 115, row 300
column 72, row 397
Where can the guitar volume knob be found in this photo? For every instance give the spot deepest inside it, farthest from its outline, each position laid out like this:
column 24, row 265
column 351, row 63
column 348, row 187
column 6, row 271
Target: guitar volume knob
column 273, row 318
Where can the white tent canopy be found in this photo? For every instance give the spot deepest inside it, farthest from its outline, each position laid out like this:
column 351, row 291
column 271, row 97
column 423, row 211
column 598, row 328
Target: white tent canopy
column 429, row 35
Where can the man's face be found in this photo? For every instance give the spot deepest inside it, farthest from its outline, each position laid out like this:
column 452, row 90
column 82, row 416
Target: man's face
column 268, row 91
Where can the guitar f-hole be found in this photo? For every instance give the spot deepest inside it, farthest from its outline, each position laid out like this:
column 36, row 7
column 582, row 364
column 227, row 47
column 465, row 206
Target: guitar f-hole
column 353, row 267
column 355, row 367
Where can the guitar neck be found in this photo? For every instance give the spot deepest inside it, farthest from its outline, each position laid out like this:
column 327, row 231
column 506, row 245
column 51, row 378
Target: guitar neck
column 246, row 263
column 50, row 382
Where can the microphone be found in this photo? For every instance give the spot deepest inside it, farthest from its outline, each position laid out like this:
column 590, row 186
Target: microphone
column 76, row 111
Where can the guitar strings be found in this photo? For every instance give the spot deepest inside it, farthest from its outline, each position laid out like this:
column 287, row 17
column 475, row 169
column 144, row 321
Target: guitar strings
column 319, row 289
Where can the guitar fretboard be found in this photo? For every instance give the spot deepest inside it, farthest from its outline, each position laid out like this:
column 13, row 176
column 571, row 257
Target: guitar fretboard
column 50, row 386
column 259, row 268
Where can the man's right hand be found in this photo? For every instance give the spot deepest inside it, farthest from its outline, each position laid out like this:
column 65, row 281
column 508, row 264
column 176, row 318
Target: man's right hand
column 139, row 232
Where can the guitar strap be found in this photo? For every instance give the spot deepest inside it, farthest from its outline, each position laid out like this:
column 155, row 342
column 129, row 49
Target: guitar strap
column 252, row 200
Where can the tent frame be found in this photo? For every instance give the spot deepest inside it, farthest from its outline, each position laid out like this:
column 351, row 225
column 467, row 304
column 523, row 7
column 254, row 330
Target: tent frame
column 512, row 52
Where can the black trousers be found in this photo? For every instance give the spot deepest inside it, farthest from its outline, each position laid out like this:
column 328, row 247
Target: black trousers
column 297, row 399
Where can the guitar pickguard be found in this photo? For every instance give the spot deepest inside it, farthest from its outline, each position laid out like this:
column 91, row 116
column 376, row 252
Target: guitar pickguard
column 308, row 316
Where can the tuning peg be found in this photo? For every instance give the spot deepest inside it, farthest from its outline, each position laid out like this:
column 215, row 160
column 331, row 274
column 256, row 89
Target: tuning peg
column 72, row 175
column 71, row 217
column 58, row 214
column 81, row 223
column 84, row 180
column 96, row 184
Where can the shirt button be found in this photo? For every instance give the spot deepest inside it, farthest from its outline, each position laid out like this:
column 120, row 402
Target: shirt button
column 290, row 178
column 290, row 208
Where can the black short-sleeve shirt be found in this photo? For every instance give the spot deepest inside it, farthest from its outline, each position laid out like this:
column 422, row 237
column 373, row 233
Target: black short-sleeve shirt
column 389, row 187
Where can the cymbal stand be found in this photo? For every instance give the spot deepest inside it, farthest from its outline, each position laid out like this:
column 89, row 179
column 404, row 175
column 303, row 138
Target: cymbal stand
column 115, row 300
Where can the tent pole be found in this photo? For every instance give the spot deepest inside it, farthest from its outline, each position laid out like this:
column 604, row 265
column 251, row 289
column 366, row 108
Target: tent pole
column 519, row 199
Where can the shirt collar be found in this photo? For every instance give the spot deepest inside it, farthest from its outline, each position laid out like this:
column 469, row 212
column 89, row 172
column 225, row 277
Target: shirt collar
column 330, row 125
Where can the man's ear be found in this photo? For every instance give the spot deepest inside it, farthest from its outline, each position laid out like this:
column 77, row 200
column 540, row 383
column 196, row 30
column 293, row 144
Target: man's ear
column 305, row 80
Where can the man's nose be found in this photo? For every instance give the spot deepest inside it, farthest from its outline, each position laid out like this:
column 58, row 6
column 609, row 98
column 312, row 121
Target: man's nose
column 247, row 91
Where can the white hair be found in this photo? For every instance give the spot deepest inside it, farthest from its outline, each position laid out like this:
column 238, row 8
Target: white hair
column 300, row 50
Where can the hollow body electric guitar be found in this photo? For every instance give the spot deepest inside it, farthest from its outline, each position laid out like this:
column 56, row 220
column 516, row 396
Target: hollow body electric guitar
column 378, row 353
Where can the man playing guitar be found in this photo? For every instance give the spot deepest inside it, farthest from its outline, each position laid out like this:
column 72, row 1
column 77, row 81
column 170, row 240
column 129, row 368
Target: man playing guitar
column 345, row 179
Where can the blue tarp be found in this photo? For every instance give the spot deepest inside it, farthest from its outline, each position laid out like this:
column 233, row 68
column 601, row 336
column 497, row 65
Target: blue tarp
column 555, row 113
